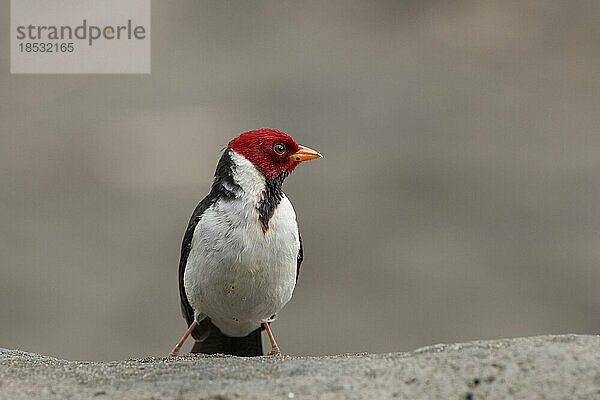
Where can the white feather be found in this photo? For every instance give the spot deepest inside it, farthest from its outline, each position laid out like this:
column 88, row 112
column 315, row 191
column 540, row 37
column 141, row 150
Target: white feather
column 236, row 274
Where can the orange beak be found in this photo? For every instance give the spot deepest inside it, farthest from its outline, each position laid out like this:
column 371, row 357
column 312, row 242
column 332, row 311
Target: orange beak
column 304, row 153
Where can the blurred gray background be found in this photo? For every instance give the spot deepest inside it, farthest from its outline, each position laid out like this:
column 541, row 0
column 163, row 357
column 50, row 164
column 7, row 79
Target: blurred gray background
column 459, row 196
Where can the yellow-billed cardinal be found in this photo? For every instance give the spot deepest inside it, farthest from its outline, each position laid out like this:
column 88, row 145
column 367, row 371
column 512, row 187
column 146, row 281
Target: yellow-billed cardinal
column 241, row 252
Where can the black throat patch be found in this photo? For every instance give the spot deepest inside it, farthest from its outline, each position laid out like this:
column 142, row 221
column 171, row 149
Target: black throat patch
column 270, row 200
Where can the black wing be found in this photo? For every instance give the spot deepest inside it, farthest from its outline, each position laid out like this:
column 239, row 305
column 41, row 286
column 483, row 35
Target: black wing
column 219, row 190
column 300, row 257
column 186, row 245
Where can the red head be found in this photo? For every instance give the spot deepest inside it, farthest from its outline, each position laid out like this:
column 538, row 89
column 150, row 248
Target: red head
column 271, row 151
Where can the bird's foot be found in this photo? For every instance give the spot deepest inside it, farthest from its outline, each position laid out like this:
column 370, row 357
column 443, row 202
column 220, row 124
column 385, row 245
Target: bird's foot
column 175, row 351
column 274, row 348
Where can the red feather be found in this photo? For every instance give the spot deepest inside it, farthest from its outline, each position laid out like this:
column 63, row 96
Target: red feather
column 257, row 147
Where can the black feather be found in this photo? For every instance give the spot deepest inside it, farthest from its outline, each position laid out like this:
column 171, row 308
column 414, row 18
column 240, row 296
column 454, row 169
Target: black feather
column 300, row 257
column 216, row 342
column 271, row 198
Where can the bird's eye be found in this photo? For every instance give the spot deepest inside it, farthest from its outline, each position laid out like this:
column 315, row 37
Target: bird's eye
column 279, row 148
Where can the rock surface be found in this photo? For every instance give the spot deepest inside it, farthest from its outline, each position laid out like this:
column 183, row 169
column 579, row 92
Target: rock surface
column 566, row 366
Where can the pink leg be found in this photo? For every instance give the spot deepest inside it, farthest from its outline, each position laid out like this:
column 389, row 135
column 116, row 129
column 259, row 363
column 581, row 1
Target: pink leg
column 175, row 351
column 274, row 348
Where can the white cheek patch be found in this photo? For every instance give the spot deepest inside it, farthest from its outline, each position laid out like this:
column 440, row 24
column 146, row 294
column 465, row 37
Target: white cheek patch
column 250, row 179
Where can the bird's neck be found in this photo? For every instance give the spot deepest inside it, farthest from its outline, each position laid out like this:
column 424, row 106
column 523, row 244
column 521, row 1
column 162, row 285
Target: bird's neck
column 237, row 178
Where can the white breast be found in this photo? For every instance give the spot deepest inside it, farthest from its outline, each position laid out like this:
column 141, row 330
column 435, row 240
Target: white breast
column 236, row 274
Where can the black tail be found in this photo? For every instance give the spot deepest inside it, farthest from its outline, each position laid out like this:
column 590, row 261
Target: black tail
column 216, row 342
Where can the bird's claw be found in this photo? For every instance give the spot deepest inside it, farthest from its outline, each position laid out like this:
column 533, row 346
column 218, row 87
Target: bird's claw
column 274, row 352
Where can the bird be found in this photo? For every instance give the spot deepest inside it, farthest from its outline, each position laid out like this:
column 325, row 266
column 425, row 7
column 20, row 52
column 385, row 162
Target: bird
column 241, row 252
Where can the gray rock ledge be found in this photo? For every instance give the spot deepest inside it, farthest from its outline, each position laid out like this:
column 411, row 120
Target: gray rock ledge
column 553, row 367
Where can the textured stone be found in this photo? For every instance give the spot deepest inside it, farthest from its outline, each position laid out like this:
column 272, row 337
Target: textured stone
column 554, row 367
